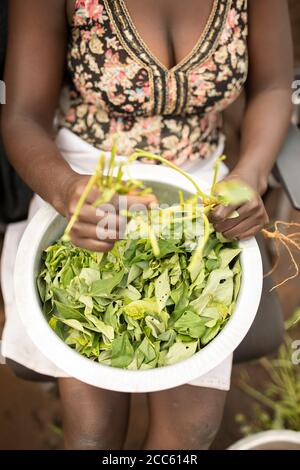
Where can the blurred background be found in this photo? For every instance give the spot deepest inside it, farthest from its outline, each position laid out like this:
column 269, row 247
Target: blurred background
column 264, row 393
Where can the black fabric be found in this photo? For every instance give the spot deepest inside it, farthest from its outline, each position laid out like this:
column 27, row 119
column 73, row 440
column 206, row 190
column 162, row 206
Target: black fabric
column 14, row 195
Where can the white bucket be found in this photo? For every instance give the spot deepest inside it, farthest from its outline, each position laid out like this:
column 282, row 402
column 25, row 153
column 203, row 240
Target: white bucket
column 269, row 440
column 47, row 226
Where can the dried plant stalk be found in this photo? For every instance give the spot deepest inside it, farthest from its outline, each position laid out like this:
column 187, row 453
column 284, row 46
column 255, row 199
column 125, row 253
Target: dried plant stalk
column 289, row 242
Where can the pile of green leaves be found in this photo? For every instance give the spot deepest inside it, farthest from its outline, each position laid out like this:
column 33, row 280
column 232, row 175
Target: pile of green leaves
column 131, row 309
column 161, row 294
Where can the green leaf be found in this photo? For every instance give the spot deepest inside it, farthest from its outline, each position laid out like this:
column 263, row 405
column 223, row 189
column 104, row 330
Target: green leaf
column 224, row 293
column 156, row 326
column 145, row 352
column 75, row 324
column 227, row 255
column 210, row 334
column 214, row 280
column 167, row 247
column 89, row 275
column 67, row 312
column 101, row 327
column 134, row 273
column 179, row 352
column 162, row 290
column 122, row 352
column 106, row 286
column 234, row 192
column 212, row 264
column 237, row 271
column 190, row 324
column 139, row 308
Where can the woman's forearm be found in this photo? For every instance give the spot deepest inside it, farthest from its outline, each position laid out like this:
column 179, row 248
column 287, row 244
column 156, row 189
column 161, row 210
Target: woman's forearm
column 33, row 153
column 264, row 128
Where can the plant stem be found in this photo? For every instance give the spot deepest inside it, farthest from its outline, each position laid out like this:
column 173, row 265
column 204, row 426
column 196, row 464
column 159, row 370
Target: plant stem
column 197, row 255
column 216, row 171
column 141, row 154
column 260, row 397
column 95, row 178
column 112, row 163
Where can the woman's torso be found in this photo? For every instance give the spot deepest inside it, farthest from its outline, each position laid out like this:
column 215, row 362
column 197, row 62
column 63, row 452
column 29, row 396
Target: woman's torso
column 165, row 94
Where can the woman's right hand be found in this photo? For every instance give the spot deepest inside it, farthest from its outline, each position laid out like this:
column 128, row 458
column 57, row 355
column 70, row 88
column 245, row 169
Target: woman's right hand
column 98, row 228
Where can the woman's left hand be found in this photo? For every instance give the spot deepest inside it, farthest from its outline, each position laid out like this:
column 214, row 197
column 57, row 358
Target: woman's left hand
column 252, row 215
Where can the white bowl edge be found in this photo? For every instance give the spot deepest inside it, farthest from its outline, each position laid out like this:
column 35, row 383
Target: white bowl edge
column 110, row 378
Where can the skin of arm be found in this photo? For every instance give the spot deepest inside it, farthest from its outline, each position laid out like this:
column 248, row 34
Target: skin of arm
column 34, row 74
column 267, row 114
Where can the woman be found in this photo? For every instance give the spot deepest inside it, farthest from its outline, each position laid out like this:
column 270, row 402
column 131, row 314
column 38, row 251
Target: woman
column 157, row 73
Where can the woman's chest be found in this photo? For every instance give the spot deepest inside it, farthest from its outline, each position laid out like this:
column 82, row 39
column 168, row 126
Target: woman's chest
column 189, row 66
column 170, row 28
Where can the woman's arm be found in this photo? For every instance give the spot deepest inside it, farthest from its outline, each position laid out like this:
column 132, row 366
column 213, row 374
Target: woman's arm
column 34, row 73
column 267, row 114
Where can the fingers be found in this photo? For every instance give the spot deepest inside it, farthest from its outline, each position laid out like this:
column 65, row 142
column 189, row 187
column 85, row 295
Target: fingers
column 97, row 232
column 92, row 215
column 93, row 195
column 252, row 218
column 244, row 212
column 221, row 213
column 98, row 228
column 134, row 202
column 91, row 244
column 244, row 235
column 249, row 226
column 243, row 230
column 93, row 237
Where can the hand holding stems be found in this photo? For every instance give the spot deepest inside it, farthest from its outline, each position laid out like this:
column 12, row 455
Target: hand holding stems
column 92, row 205
column 234, row 206
column 233, row 193
column 85, row 194
column 251, row 216
column 97, row 228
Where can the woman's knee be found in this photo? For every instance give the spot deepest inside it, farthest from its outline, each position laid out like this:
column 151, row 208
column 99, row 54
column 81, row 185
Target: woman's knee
column 93, row 418
column 191, row 419
column 198, row 429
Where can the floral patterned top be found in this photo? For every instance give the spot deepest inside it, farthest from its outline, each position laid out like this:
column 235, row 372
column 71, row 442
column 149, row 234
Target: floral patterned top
column 119, row 87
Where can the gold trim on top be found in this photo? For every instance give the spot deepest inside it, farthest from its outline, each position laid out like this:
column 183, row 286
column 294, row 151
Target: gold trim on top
column 170, row 107
column 217, row 39
column 209, row 22
column 131, row 54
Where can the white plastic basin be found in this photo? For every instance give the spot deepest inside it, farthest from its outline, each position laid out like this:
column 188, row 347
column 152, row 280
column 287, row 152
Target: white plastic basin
column 46, row 226
column 280, row 439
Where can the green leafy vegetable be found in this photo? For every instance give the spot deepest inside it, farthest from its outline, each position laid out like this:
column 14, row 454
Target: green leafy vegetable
column 161, row 293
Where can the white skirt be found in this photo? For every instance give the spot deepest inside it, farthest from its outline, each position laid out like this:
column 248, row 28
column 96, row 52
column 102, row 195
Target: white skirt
column 16, row 344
